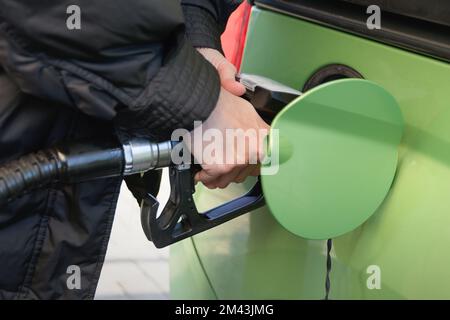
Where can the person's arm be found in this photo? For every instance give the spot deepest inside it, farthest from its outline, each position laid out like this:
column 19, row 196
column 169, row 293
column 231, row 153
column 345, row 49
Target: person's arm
column 130, row 61
column 205, row 22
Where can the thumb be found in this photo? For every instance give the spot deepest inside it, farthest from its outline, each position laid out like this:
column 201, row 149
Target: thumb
column 227, row 73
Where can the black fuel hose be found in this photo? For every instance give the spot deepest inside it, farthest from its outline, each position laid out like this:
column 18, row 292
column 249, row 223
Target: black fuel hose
column 72, row 163
column 81, row 161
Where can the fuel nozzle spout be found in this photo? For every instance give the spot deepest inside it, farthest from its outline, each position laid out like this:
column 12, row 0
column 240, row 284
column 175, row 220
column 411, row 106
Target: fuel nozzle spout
column 266, row 95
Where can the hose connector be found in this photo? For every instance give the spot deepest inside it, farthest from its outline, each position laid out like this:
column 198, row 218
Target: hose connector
column 142, row 155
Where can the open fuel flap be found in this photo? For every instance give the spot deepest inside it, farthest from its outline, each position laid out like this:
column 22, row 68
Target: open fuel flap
column 337, row 150
column 333, row 157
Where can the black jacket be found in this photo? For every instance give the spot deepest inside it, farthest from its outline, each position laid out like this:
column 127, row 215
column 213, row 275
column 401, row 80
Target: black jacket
column 131, row 70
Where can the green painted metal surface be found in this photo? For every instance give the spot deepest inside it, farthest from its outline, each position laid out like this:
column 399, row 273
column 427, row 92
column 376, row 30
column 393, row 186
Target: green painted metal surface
column 343, row 138
column 187, row 276
column 407, row 238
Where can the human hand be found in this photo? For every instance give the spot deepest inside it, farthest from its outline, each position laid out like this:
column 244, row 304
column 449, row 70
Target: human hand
column 227, row 71
column 235, row 115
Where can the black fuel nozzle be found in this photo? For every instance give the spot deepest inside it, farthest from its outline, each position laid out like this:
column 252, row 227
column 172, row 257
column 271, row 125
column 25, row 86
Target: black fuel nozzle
column 267, row 96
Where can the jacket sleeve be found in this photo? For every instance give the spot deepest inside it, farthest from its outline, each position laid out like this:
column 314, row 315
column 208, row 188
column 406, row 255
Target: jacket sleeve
column 130, row 61
column 206, row 20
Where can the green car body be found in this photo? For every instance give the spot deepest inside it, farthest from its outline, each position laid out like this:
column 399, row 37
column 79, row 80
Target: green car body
column 404, row 244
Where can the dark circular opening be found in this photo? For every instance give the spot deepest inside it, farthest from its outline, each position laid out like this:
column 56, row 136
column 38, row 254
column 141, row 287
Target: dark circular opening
column 330, row 73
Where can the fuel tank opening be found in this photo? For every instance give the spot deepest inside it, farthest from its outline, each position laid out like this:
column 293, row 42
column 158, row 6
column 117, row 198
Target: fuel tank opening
column 329, row 73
